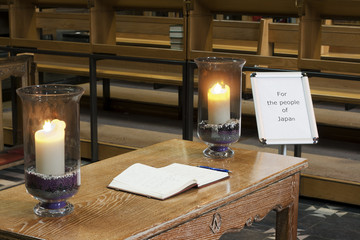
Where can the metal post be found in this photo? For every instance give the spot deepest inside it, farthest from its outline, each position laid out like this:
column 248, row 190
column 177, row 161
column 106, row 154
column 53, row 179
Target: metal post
column 93, row 109
column 188, row 101
column 297, row 150
column 106, row 93
column 282, row 150
column 14, row 105
column 14, row 112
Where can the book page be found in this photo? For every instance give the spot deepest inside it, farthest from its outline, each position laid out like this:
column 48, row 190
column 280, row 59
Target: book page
column 202, row 176
column 150, row 181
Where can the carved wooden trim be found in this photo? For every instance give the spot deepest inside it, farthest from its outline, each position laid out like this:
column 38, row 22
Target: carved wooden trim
column 238, row 213
column 216, row 223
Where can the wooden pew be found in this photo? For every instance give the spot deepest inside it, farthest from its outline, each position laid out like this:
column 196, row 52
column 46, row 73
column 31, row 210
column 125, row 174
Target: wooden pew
column 293, row 47
column 145, row 30
column 310, row 53
column 335, row 90
column 131, row 30
column 101, row 16
column 49, row 21
column 236, row 36
column 284, row 38
column 264, row 43
column 111, row 69
column 344, row 42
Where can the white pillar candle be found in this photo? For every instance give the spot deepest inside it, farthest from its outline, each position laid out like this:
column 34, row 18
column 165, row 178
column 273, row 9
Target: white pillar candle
column 219, row 103
column 50, row 148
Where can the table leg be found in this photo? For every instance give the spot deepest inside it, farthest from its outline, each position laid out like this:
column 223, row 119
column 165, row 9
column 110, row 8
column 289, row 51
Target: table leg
column 286, row 219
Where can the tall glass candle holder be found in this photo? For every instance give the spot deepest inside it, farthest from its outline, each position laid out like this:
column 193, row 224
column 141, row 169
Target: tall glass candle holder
column 51, row 127
column 219, row 104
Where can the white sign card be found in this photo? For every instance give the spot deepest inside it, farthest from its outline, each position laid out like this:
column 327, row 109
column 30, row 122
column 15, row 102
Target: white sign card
column 283, row 107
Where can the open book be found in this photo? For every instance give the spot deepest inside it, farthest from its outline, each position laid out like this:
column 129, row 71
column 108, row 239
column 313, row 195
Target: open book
column 162, row 183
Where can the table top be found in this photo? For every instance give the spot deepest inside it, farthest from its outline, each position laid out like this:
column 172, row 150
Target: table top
column 109, row 214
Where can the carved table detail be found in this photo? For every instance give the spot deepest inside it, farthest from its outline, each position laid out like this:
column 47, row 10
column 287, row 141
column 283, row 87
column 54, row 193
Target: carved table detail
column 215, row 223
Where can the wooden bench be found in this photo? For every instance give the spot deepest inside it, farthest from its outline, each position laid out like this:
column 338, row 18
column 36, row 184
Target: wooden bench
column 145, row 30
column 279, row 39
column 112, row 69
column 344, row 42
column 131, row 32
column 100, row 19
column 130, row 29
column 240, row 36
column 260, row 39
column 335, row 90
column 284, row 38
column 288, row 46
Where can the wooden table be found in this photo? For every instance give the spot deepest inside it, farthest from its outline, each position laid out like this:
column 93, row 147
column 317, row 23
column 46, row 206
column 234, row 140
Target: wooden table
column 259, row 182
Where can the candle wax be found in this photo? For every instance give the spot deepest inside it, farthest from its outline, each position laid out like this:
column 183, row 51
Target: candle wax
column 50, row 148
column 219, row 104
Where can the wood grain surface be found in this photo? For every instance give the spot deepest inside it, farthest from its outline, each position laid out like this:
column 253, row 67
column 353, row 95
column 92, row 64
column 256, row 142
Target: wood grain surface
column 258, row 183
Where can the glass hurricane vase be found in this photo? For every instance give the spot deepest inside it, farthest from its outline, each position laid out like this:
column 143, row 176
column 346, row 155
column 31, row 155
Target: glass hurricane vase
column 52, row 158
column 219, row 104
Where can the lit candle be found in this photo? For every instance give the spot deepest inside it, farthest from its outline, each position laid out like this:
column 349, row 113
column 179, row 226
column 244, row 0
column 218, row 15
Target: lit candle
column 50, row 148
column 219, row 103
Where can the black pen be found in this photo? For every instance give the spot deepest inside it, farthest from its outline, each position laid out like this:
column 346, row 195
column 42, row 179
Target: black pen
column 216, row 169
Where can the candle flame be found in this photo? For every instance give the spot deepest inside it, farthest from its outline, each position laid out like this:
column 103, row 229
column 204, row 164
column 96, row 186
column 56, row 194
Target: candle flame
column 218, row 88
column 47, row 126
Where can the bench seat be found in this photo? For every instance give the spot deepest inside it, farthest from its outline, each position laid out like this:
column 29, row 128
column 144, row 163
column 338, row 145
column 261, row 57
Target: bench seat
column 113, row 69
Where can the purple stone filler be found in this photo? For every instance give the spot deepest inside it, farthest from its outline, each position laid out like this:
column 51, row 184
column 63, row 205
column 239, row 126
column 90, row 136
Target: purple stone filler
column 51, row 190
column 220, row 133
